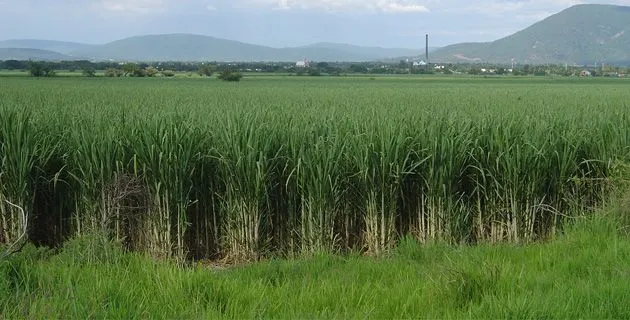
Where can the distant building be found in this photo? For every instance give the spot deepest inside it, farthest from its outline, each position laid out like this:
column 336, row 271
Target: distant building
column 585, row 73
column 303, row 64
column 419, row 63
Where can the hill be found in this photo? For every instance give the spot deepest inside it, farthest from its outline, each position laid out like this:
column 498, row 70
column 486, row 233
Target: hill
column 189, row 47
column 366, row 52
column 63, row 47
column 582, row 34
column 32, row 54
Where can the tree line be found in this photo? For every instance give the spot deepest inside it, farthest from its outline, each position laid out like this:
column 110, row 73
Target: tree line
column 235, row 70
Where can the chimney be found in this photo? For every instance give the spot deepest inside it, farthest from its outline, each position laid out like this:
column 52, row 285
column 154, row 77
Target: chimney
column 426, row 48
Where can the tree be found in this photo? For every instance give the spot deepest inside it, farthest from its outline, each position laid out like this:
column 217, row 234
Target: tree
column 40, row 69
column 168, row 73
column 358, row 68
column 314, row 73
column 138, row 72
column 151, row 71
column 89, row 72
column 36, row 69
column 206, row 70
column 474, row 71
column 112, row 72
column 13, row 65
column 228, row 75
column 322, row 65
column 129, row 69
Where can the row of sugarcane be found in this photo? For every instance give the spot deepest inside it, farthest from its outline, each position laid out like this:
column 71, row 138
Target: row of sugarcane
column 252, row 183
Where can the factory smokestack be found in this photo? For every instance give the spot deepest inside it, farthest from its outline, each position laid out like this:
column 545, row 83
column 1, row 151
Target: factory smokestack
column 426, row 52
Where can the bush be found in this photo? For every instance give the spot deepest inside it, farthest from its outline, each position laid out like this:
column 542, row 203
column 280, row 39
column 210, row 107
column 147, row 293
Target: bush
column 206, row 70
column 111, row 72
column 40, row 69
column 89, row 72
column 139, row 73
column 228, row 75
column 168, row 73
column 474, row 71
column 150, row 71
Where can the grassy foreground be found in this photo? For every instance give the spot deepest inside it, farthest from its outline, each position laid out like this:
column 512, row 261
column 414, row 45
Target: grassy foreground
column 584, row 273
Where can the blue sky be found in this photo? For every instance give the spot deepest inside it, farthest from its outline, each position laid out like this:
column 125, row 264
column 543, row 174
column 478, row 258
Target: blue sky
column 279, row 23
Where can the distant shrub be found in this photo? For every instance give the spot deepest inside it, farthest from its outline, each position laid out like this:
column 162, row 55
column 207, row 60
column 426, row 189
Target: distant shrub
column 168, row 73
column 40, row 69
column 474, row 71
column 112, row 72
column 229, row 75
column 139, row 73
column 151, row 71
column 206, row 70
column 89, row 72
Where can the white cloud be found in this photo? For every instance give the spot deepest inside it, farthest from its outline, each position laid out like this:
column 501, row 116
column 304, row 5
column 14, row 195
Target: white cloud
column 388, row 6
column 395, row 7
column 154, row 6
column 133, row 6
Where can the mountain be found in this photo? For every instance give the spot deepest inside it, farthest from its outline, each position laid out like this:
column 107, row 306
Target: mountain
column 367, row 52
column 190, row 47
column 63, row 47
column 32, row 54
column 582, row 34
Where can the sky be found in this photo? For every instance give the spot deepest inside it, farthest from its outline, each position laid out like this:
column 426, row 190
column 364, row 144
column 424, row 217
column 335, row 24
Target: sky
column 279, row 23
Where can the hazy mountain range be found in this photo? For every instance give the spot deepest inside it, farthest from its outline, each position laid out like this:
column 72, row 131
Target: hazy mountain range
column 190, row 47
column 582, row 34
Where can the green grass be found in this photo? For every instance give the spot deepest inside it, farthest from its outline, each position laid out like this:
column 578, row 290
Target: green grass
column 584, row 273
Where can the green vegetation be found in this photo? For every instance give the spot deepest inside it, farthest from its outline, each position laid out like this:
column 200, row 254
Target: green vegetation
column 40, row 69
column 295, row 166
column 582, row 274
column 206, row 70
column 229, row 75
column 385, row 197
column 113, row 73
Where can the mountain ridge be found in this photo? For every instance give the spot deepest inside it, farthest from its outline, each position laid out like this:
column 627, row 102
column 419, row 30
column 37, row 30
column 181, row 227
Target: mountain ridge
column 32, row 54
column 581, row 34
column 63, row 47
column 194, row 47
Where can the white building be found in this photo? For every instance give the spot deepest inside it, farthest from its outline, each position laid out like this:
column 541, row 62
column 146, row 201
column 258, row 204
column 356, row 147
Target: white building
column 302, row 64
column 419, row 63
